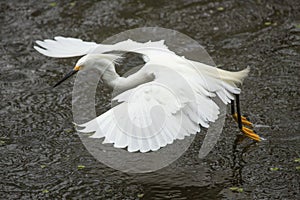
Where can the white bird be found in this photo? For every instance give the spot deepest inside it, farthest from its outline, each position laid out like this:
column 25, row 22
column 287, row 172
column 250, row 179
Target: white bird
column 167, row 99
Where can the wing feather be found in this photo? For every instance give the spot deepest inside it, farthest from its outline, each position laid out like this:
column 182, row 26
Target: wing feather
column 63, row 47
column 142, row 129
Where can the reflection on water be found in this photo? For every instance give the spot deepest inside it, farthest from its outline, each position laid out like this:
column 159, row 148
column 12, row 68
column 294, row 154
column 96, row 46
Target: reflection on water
column 40, row 152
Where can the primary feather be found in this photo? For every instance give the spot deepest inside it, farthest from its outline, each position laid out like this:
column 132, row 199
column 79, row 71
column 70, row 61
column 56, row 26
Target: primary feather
column 62, row 47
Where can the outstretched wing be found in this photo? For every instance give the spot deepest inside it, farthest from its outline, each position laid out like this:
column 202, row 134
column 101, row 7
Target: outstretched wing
column 63, row 47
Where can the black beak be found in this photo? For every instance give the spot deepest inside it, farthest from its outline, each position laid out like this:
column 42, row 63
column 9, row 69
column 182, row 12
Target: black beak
column 68, row 75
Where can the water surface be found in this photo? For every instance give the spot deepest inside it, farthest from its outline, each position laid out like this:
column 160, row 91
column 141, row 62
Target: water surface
column 40, row 152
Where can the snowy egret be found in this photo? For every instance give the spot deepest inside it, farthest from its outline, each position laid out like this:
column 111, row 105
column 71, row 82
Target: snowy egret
column 152, row 85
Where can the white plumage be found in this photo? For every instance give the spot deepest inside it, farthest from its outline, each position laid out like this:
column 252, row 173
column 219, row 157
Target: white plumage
column 167, row 99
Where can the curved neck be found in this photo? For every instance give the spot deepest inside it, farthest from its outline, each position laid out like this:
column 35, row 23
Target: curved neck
column 121, row 84
column 109, row 75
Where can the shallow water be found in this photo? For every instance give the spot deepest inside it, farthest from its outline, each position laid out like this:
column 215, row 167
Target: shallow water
column 40, row 151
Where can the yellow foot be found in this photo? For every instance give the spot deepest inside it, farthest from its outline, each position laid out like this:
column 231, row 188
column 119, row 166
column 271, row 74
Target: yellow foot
column 244, row 120
column 251, row 134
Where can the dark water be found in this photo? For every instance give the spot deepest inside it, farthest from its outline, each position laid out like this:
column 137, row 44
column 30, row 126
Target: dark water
column 40, row 152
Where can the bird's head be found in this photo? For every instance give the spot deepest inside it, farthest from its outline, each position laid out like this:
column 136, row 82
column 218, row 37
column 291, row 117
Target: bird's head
column 102, row 62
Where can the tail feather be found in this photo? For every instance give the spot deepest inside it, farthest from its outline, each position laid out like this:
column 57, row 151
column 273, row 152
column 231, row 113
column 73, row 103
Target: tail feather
column 235, row 77
column 227, row 76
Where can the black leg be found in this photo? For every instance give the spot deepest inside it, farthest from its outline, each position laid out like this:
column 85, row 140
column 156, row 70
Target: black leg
column 242, row 120
column 232, row 107
column 239, row 118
